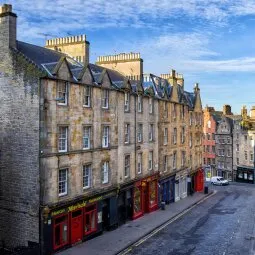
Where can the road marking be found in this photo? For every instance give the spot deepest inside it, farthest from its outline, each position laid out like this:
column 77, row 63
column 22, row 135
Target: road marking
column 154, row 232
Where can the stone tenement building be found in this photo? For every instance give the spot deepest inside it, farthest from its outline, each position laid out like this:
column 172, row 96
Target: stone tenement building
column 88, row 147
column 209, row 130
column 243, row 146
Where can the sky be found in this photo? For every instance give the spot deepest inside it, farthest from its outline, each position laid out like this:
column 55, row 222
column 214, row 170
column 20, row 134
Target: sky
column 211, row 42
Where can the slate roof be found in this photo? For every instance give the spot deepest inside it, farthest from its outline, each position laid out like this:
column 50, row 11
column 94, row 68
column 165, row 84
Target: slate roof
column 152, row 85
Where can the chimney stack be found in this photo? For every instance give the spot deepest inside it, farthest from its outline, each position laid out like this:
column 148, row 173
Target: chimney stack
column 8, row 21
column 227, row 109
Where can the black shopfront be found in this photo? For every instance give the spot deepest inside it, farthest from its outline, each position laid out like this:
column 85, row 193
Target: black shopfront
column 167, row 189
column 245, row 174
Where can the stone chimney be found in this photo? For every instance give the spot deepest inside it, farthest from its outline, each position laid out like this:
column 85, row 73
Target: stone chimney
column 244, row 112
column 196, row 88
column 252, row 112
column 8, row 27
column 227, row 109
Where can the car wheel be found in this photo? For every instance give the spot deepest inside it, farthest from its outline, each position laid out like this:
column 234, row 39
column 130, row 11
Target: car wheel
column 212, row 183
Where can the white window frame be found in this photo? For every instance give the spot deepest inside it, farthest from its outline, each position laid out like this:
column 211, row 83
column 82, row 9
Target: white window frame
column 150, row 160
column 62, row 181
column 183, row 158
column 174, row 159
column 87, row 96
column 175, row 136
column 151, row 132
column 127, row 160
column 151, row 106
column 126, row 102
column 105, row 172
column 190, row 141
column 86, row 173
column 87, row 136
column 190, row 119
column 62, row 94
column 140, row 103
column 105, row 136
column 105, row 98
column 165, row 136
column 140, row 133
column 183, row 135
column 139, row 162
column 127, row 133
column 62, row 136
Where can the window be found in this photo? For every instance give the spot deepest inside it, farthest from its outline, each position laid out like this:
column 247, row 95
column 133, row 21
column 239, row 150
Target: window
column 190, row 119
column 151, row 131
column 127, row 166
column 150, row 160
column 165, row 136
column 237, row 161
column 208, row 136
column 62, row 93
column 209, row 124
column 190, row 141
column 127, row 102
column 213, row 136
column 86, row 137
column 140, row 103
column 245, row 138
column 87, row 176
column 237, row 136
column 174, row 111
column 251, row 157
column 151, row 105
column 228, row 139
column 87, row 96
column 237, row 147
column 140, row 133
column 105, row 172
column 182, row 111
column 165, row 109
column 208, row 148
column 183, row 158
column 62, row 182
column 127, row 133
column 213, row 149
column 183, row 135
column 165, row 163
column 62, row 139
column 209, row 161
column 213, row 161
column 175, row 136
column 60, row 231
column 140, row 163
column 228, row 153
column 90, row 219
column 245, row 155
column 105, row 141
column 105, row 98
column 174, row 160
column 204, row 161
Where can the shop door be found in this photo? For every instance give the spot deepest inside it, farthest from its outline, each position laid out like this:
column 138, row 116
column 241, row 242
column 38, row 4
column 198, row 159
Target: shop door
column 76, row 226
column 145, row 201
column 106, row 214
column 171, row 191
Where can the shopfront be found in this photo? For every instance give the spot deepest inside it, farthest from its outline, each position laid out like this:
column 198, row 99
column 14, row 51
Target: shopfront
column 180, row 187
column 167, row 189
column 199, row 180
column 245, row 174
column 145, row 196
column 125, row 205
column 79, row 221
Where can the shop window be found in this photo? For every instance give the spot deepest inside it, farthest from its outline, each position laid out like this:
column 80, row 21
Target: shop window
column 60, row 231
column 137, row 200
column 90, row 219
column 153, row 193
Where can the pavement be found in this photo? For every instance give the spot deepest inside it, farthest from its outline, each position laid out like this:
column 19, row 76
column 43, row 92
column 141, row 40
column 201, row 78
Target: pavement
column 115, row 241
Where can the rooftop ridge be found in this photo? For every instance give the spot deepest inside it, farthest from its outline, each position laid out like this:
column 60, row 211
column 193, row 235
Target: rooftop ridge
column 117, row 57
column 66, row 40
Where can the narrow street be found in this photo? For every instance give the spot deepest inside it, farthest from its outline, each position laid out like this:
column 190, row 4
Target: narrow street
column 223, row 224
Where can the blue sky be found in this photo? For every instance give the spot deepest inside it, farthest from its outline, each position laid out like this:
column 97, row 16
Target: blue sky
column 210, row 42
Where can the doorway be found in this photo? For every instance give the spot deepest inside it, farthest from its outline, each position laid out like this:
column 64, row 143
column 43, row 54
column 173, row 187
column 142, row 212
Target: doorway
column 76, row 226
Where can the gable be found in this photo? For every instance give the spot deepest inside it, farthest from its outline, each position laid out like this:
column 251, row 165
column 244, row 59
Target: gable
column 86, row 76
column 126, row 85
column 174, row 95
column 105, row 80
column 62, row 70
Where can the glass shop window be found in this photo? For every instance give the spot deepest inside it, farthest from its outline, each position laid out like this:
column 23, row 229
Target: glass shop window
column 90, row 219
column 60, row 231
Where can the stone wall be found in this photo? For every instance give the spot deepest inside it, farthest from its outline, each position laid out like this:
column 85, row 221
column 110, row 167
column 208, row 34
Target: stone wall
column 19, row 144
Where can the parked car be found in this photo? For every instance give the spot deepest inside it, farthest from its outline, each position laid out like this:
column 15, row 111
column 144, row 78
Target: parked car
column 218, row 180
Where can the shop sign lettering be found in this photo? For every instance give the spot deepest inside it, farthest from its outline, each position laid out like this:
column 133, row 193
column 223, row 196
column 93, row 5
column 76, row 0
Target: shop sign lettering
column 58, row 212
column 77, row 206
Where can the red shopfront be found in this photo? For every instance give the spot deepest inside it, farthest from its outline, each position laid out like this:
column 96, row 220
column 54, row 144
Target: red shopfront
column 145, row 196
column 199, row 180
column 72, row 227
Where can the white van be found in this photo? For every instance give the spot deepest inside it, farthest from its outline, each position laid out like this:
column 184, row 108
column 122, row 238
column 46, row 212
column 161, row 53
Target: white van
column 218, row 180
